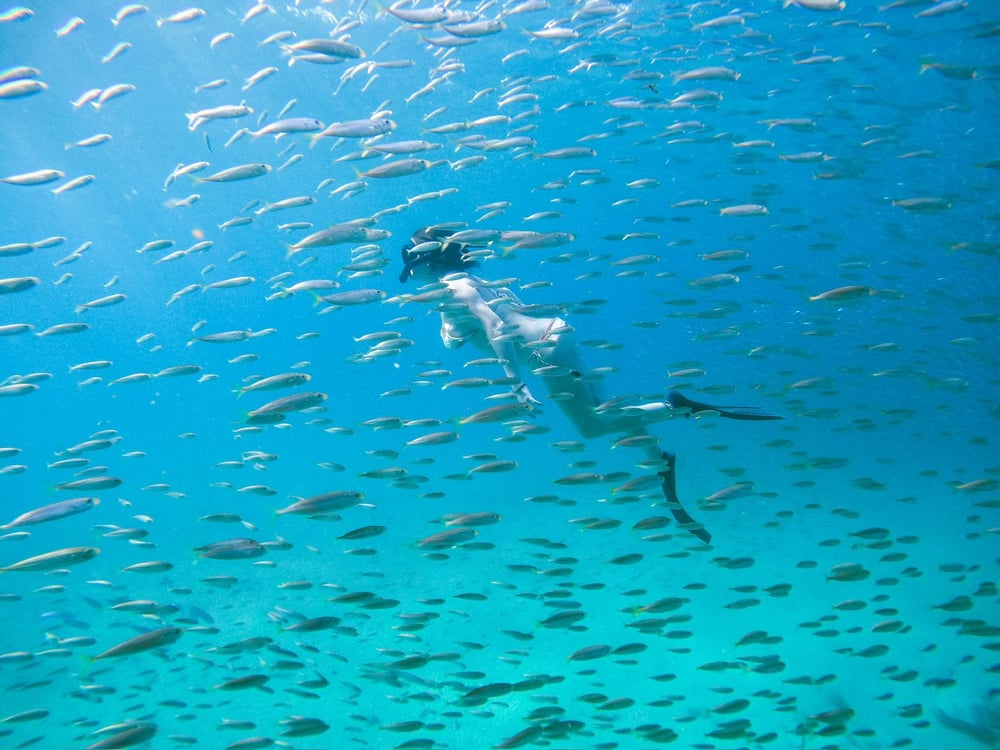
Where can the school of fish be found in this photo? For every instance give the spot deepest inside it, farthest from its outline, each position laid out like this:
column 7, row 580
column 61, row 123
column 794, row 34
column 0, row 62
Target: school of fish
column 248, row 499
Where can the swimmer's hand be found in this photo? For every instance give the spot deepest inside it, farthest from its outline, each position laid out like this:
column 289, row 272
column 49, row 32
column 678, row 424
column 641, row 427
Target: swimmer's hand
column 528, row 401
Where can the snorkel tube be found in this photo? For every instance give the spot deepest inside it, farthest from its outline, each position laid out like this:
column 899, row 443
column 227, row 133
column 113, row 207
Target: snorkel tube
column 409, row 262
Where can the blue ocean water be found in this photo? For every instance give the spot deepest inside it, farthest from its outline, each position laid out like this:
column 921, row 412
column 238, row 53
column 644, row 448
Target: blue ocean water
column 866, row 133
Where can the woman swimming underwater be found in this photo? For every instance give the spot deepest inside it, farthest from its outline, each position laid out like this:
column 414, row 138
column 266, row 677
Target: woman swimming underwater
column 492, row 319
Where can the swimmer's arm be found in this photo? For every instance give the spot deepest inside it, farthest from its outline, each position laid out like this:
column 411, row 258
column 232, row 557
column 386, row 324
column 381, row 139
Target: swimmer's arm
column 505, row 349
column 506, row 352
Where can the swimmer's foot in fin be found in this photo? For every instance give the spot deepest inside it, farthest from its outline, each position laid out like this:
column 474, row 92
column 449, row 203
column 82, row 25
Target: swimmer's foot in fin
column 748, row 413
column 680, row 515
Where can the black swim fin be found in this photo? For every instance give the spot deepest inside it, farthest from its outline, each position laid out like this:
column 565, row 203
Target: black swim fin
column 748, row 413
column 680, row 515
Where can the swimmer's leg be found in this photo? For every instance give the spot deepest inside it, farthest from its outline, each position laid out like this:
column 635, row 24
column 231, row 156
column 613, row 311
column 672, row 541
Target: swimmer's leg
column 577, row 395
column 748, row 413
column 575, row 399
column 680, row 515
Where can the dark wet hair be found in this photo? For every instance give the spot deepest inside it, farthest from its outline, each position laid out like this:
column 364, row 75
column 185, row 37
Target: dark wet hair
column 448, row 258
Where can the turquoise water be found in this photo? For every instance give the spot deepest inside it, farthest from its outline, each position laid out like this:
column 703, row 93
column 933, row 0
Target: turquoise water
column 886, row 455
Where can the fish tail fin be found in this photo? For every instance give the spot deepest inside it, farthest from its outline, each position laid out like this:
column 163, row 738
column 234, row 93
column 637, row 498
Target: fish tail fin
column 87, row 662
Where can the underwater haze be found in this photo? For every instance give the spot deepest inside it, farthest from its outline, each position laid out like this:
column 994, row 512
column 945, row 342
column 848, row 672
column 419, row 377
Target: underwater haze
column 791, row 208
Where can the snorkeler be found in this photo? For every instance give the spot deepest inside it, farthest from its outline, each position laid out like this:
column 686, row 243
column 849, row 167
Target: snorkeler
column 493, row 319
